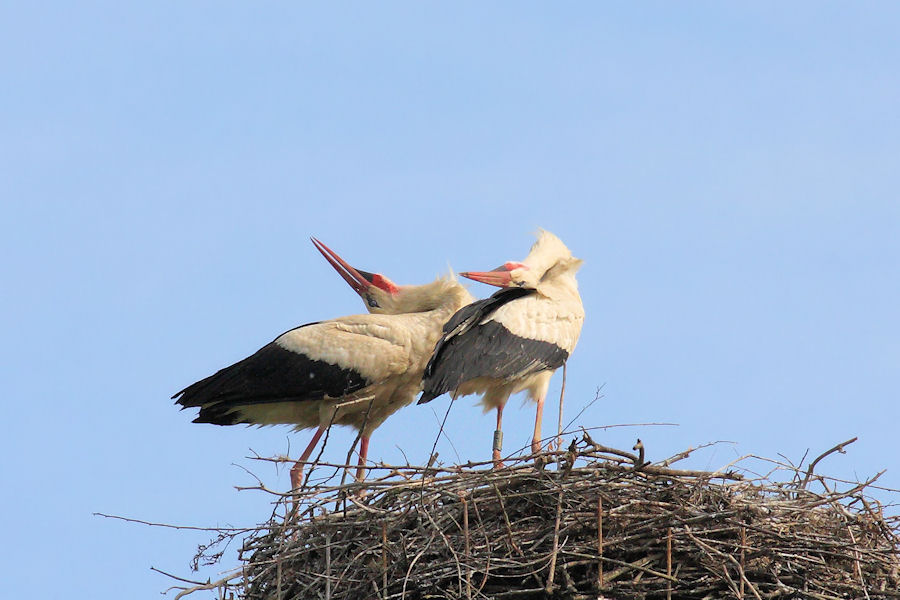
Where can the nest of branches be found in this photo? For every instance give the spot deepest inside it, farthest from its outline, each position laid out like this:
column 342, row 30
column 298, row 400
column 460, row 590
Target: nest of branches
column 591, row 522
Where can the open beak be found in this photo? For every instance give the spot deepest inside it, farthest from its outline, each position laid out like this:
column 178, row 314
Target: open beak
column 360, row 281
column 501, row 276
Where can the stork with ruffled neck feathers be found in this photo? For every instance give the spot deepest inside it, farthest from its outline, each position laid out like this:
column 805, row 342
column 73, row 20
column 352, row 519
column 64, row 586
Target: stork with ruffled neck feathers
column 355, row 370
column 516, row 339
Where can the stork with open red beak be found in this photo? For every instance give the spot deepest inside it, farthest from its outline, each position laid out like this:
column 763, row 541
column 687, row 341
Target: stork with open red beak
column 514, row 340
column 355, row 370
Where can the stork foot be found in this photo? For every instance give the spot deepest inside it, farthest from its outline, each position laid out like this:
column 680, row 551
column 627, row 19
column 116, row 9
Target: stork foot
column 498, row 463
column 360, row 493
column 535, row 446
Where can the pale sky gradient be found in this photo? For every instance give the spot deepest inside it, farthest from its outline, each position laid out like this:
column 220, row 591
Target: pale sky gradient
column 729, row 173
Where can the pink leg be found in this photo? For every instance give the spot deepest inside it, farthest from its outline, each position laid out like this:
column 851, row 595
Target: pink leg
column 297, row 469
column 536, row 440
column 498, row 439
column 363, row 453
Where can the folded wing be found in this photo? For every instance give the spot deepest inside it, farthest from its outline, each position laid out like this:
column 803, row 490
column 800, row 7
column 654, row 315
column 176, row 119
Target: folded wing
column 484, row 340
column 332, row 359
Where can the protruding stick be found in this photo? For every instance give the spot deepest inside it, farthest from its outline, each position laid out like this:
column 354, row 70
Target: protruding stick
column 669, row 564
column 327, row 566
column 812, row 465
column 384, row 561
column 640, row 448
column 466, row 532
column 743, row 546
column 600, row 542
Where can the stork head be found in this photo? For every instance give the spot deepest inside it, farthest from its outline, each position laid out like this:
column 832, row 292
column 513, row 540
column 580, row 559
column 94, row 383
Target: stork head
column 383, row 296
column 377, row 291
column 547, row 261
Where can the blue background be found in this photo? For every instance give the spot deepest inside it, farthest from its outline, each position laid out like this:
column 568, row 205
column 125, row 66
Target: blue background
column 729, row 174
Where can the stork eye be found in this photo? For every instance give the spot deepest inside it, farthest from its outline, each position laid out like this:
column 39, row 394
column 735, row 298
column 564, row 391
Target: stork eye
column 371, row 301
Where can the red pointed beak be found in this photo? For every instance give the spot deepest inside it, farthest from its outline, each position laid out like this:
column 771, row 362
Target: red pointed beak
column 501, row 276
column 360, row 281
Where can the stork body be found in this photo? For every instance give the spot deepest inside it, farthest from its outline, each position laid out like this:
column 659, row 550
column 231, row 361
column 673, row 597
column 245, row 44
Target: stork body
column 355, row 370
column 516, row 339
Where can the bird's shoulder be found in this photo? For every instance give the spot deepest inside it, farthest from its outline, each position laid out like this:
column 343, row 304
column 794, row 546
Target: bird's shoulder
column 476, row 312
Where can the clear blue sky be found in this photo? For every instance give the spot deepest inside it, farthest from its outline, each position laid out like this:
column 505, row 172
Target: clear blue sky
column 729, row 173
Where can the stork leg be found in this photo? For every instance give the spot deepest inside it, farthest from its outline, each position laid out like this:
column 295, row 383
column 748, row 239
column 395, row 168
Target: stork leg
column 297, row 469
column 536, row 440
column 498, row 439
column 363, row 453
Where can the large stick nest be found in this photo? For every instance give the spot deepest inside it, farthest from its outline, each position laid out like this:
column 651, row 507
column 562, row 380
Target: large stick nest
column 594, row 523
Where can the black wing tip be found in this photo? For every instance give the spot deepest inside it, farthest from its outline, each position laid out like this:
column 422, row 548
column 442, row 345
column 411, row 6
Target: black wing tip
column 218, row 415
column 427, row 397
column 183, row 401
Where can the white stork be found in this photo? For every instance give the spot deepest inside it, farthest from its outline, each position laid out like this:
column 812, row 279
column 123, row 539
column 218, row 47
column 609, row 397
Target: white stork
column 514, row 340
column 355, row 370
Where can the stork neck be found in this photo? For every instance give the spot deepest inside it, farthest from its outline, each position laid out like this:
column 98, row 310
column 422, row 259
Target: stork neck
column 444, row 295
column 560, row 287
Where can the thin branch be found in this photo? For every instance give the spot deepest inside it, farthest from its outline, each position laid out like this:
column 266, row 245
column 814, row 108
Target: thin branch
column 812, row 465
column 170, row 526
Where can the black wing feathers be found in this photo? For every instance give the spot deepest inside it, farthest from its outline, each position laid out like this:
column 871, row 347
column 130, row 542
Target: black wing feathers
column 469, row 316
column 272, row 374
column 471, row 349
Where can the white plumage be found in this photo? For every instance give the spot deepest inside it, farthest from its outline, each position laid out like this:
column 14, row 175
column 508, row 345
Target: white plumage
column 355, row 370
column 516, row 339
